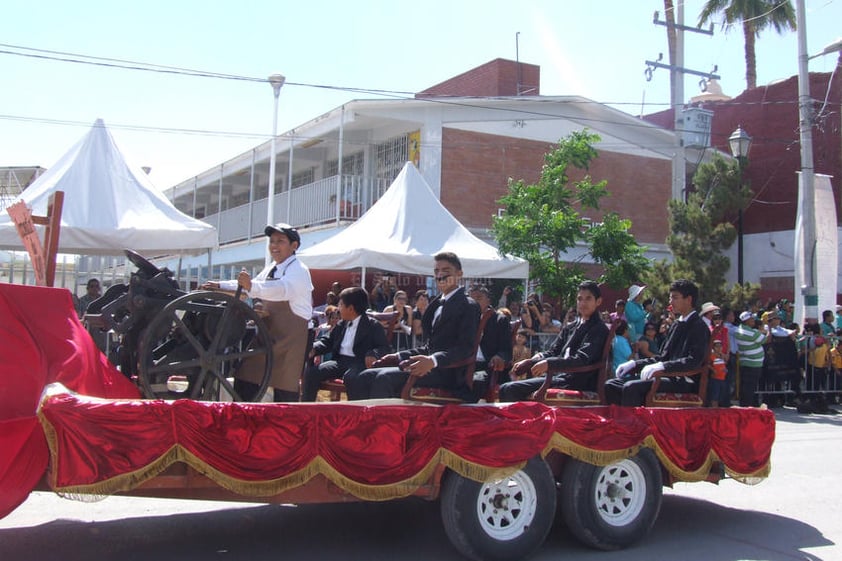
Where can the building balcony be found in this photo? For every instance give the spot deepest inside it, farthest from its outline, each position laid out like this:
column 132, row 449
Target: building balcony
column 319, row 204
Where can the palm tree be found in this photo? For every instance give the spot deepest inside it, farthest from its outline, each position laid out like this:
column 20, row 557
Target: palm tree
column 755, row 16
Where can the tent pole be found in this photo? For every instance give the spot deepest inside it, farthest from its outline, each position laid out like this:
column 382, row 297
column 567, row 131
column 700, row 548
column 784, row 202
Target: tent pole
column 210, row 264
column 362, row 278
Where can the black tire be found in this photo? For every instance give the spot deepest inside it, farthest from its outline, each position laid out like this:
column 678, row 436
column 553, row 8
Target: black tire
column 196, row 342
column 611, row 507
column 501, row 520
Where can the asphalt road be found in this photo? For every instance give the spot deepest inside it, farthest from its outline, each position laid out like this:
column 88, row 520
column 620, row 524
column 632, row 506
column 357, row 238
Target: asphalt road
column 793, row 515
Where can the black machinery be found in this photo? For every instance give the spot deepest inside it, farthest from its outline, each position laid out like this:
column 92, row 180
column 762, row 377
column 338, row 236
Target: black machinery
column 176, row 343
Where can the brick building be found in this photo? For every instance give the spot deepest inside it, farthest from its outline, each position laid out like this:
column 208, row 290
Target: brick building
column 468, row 135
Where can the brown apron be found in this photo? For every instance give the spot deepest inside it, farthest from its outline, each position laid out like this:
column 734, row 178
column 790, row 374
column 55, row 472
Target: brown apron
column 290, row 334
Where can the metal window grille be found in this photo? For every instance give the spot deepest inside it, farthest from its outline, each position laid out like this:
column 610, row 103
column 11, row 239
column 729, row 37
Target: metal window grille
column 391, row 156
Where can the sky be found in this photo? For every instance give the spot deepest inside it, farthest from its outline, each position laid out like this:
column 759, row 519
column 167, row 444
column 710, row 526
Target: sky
column 181, row 125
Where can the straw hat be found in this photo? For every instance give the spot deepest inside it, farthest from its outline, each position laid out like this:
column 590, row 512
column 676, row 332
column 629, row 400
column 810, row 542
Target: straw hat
column 708, row 307
column 635, row 290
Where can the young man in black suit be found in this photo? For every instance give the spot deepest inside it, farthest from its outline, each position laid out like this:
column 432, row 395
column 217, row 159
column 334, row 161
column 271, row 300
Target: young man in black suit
column 495, row 347
column 685, row 347
column 450, row 324
column 354, row 344
column 578, row 344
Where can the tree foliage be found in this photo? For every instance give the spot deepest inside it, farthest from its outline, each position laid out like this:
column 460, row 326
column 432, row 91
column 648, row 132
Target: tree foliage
column 701, row 230
column 543, row 223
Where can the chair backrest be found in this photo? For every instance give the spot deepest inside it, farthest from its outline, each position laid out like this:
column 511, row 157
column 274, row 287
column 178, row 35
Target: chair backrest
column 390, row 319
column 469, row 362
column 603, row 367
column 703, row 371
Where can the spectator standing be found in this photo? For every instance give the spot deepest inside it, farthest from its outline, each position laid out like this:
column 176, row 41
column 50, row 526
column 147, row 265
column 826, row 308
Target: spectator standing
column 621, row 350
column 750, row 358
column 93, row 291
column 402, row 330
column 635, row 313
column 828, row 323
column 383, row 292
column 422, row 300
column 717, row 386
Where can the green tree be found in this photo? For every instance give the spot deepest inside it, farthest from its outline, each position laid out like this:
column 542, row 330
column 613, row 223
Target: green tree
column 542, row 222
column 701, row 230
column 754, row 16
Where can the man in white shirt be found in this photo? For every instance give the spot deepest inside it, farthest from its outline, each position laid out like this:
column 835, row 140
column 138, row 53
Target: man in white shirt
column 286, row 290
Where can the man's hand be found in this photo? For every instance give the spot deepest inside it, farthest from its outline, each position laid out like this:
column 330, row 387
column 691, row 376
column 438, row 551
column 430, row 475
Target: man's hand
column 650, row 370
column 210, row 285
column 369, row 361
column 625, row 368
column 539, row 368
column 386, row 360
column 244, row 280
column 420, row 365
column 522, row 367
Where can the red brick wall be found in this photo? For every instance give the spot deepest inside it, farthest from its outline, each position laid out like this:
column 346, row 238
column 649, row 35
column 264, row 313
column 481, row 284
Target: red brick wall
column 476, row 168
column 496, row 78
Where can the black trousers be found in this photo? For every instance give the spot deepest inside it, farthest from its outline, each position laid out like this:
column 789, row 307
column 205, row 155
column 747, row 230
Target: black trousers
column 328, row 370
column 632, row 393
column 379, row 383
column 749, row 378
column 520, row 390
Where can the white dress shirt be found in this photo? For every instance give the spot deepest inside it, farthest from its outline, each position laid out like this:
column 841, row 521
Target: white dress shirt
column 290, row 281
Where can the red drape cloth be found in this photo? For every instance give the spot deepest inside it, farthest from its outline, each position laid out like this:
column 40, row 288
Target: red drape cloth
column 41, row 341
column 377, row 451
column 103, row 439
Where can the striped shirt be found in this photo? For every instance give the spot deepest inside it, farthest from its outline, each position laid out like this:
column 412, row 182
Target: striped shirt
column 750, row 346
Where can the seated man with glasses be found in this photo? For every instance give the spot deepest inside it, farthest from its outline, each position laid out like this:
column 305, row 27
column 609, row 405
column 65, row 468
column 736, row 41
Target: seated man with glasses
column 450, row 322
column 354, row 344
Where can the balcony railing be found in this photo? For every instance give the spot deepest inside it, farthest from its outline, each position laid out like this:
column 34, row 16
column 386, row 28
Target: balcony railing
column 314, row 204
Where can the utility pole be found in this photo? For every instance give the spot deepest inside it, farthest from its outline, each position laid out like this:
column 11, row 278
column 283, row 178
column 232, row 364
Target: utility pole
column 677, row 72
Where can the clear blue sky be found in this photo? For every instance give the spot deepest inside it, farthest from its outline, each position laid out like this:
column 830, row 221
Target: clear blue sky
column 593, row 49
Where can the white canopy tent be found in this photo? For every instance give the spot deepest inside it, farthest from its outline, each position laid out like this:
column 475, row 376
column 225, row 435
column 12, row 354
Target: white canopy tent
column 109, row 206
column 402, row 232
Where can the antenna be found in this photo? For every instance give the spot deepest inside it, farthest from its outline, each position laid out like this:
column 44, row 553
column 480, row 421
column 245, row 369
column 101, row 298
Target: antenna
column 517, row 60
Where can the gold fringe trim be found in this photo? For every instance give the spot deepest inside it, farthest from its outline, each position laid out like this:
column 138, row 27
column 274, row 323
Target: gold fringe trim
column 566, row 446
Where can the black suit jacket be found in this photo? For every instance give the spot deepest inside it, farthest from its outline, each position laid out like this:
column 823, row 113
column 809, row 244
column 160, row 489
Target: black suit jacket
column 685, row 347
column 585, row 341
column 370, row 339
column 452, row 338
column 497, row 338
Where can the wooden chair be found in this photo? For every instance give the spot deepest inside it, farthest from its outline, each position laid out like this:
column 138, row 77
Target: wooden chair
column 336, row 387
column 443, row 396
column 674, row 399
column 562, row 397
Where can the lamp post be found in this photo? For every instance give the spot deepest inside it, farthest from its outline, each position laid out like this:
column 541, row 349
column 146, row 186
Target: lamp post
column 740, row 143
column 276, row 80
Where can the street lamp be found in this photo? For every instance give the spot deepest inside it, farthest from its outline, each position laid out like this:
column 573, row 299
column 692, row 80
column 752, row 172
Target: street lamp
column 740, row 143
column 276, row 80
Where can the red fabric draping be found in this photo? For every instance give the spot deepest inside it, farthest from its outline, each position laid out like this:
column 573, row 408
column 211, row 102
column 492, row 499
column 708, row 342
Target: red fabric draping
column 260, row 449
column 41, row 341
